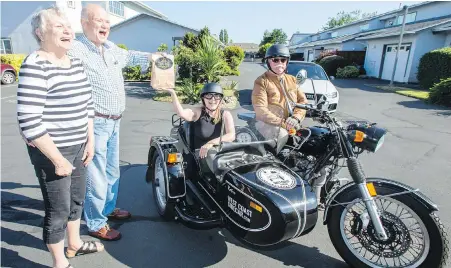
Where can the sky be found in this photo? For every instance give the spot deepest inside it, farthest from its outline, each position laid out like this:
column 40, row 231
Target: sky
column 247, row 21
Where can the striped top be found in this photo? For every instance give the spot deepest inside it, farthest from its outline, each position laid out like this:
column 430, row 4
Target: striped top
column 54, row 100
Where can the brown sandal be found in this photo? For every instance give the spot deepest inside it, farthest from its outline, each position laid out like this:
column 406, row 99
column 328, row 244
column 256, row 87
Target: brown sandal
column 86, row 248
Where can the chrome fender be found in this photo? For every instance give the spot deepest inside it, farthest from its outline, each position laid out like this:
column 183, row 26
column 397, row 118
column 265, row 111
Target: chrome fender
column 395, row 185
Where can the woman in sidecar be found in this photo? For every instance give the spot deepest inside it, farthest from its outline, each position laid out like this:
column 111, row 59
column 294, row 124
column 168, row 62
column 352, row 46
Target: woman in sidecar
column 207, row 119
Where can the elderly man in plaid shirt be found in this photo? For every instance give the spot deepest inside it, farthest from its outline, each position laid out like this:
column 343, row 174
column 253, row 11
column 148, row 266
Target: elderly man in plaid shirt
column 103, row 62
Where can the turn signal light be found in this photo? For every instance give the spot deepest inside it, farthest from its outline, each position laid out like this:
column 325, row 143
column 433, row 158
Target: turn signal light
column 371, row 189
column 359, row 135
column 173, row 158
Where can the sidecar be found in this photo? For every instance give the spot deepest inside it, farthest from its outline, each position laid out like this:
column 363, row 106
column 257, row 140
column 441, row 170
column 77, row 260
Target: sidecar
column 240, row 186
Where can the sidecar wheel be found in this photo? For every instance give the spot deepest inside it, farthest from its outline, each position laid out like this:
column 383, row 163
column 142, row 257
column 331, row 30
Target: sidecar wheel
column 165, row 206
column 416, row 237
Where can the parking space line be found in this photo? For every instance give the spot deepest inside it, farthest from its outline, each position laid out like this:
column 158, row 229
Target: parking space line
column 8, row 97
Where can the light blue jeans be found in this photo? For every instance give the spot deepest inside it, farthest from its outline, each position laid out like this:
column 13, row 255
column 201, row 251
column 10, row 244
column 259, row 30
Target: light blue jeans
column 102, row 182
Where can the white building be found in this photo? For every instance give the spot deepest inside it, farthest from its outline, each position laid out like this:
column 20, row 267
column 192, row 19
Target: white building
column 127, row 21
column 428, row 27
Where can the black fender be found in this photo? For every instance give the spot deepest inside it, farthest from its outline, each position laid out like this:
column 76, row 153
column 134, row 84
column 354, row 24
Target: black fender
column 174, row 173
column 395, row 185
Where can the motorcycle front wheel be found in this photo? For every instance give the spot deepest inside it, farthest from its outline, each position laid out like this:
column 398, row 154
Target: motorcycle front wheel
column 416, row 236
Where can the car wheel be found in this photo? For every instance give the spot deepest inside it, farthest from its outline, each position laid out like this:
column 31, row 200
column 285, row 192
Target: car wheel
column 8, row 77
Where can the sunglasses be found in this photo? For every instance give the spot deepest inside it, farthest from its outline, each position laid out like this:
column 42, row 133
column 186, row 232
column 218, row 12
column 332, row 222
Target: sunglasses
column 209, row 96
column 277, row 60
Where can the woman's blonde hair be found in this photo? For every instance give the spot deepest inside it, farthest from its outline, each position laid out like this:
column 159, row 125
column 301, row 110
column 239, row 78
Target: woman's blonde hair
column 40, row 20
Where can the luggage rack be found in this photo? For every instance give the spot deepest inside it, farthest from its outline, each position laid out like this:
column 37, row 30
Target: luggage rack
column 164, row 140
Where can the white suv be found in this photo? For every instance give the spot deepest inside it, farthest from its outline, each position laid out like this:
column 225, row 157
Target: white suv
column 320, row 80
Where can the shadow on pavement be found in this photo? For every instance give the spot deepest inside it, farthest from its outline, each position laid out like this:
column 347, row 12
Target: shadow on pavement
column 419, row 104
column 360, row 84
column 139, row 90
column 10, row 213
column 149, row 241
column 11, row 258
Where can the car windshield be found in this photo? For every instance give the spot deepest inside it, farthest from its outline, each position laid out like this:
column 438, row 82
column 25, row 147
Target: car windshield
column 314, row 72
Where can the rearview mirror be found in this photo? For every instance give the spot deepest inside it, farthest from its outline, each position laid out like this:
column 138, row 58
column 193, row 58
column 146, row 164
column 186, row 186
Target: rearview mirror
column 301, row 76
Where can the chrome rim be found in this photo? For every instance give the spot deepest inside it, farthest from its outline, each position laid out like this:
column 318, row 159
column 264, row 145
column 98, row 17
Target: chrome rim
column 160, row 188
column 8, row 78
column 408, row 243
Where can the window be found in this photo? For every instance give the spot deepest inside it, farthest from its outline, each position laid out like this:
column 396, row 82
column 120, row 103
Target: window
column 364, row 27
column 117, row 8
column 410, row 18
column 334, row 34
column 71, row 4
column 5, row 47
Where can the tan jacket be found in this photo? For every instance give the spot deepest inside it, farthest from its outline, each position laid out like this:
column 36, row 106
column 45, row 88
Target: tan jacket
column 269, row 102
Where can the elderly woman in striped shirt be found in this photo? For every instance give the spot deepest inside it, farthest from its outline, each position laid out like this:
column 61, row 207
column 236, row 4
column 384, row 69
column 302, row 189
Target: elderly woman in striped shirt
column 55, row 113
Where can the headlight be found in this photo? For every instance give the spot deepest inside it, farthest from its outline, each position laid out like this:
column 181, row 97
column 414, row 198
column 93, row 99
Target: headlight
column 332, row 95
column 243, row 137
column 367, row 137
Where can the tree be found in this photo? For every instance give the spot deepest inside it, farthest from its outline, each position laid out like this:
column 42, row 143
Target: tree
column 343, row 18
column 226, row 37
column 276, row 36
column 221, row 36
column 163, row 47
column 262, row 49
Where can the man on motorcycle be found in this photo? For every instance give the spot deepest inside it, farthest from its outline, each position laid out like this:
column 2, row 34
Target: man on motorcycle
column 268, row 97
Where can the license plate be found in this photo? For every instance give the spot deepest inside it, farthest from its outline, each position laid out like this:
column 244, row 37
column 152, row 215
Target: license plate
column 310, row 96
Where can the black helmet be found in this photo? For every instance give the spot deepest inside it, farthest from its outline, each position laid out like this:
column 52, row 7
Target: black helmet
column 277, row 50
column 211, row 88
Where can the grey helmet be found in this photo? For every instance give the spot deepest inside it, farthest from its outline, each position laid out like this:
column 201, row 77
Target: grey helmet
column 211, row 88
column 277, row 50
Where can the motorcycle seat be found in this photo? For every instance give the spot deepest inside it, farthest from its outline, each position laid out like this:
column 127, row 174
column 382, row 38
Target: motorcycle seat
column 246, row 116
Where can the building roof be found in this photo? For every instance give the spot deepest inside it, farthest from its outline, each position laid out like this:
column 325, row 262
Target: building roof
column 246, row 46
column 142, row 15
column 336, row 40
column 443, row 28
column 382, row 16
column 141, row 4
column 410, row 28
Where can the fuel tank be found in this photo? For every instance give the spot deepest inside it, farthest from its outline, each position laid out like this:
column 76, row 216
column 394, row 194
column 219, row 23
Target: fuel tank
column 266, row 203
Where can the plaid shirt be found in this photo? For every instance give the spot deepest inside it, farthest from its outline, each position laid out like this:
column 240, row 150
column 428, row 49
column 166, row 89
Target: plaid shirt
column 105, row 72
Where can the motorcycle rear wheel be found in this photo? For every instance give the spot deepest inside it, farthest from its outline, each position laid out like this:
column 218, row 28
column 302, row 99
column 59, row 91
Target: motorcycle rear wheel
column 435, row 247
column 165, row 206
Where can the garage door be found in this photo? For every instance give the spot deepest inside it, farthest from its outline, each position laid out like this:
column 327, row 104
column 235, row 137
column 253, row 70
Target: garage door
column 389, row 61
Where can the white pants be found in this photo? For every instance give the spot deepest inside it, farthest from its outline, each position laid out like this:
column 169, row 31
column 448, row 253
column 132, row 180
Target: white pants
column 273, row 132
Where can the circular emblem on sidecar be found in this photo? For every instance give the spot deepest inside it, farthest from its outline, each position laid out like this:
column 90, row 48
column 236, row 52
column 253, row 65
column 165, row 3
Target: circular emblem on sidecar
column 164, row 63
column 276, row 178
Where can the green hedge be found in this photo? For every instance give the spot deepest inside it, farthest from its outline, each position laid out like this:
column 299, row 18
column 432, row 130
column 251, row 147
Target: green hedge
column 332, row 63
column 434, row 66
column 441, row 92
column 134, row 74
column 348, row 72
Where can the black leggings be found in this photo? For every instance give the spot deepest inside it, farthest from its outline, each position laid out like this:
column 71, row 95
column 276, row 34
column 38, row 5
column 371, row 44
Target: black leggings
column 63, row 196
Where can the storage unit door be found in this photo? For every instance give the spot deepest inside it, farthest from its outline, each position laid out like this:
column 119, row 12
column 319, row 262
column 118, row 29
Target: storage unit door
column 389, row 61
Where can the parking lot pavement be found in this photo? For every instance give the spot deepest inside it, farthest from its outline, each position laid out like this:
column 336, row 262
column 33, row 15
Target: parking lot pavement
column 416, row 152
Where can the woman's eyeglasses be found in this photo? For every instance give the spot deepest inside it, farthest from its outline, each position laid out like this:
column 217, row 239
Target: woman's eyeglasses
column 209, row 96
column 277, row 60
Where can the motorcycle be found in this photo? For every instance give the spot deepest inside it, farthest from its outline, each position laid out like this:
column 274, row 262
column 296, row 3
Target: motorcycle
column 372, row 222
column 249, row 188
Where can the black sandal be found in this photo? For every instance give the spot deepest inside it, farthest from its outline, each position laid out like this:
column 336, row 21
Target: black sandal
column 86, row 248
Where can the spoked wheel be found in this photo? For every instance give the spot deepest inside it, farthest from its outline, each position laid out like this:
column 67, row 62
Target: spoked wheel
column 415, row 237
column 165, row 206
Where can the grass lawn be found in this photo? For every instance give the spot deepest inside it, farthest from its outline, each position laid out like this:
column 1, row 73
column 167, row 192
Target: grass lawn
column 410, row 92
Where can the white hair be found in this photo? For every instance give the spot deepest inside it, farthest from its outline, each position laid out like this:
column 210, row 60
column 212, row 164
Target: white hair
column 40, row 20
